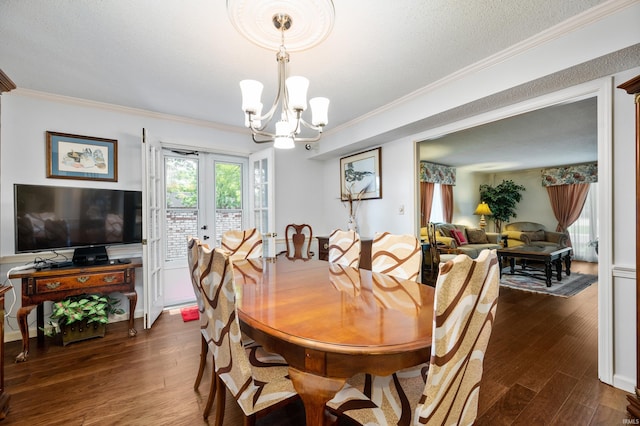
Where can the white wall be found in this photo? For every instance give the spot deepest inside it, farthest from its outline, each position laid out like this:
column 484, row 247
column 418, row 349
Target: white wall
column 398, row 193
column 535, row 205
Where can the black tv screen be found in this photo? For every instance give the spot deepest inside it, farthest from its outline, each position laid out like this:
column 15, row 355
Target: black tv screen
column 51, row 217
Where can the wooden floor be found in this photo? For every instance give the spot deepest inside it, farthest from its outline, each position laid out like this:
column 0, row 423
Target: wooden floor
column 540, row 368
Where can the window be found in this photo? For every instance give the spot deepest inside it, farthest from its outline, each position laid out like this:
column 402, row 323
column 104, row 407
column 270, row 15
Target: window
column 228, row 189
column 181, row 198
column 437, row 214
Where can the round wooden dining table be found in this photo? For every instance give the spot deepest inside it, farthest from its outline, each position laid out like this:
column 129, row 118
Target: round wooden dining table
column 331, row 322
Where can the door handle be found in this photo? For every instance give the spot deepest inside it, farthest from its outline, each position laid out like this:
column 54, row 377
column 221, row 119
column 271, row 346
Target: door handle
column 205, row 237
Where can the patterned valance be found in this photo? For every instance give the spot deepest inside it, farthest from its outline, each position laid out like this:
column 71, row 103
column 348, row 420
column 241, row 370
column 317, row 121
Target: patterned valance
column 568, row 175
column 437, row 173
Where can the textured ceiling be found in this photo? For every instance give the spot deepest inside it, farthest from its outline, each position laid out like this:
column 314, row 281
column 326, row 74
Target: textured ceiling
column 186, row 58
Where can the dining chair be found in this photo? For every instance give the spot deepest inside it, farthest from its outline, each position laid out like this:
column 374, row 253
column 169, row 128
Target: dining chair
column 437, row 258
column 258, row 380
column 194, row 273
column 298, row 240
column 445, row 390
column 245, row 244
column 344, row 248
column 396, row 255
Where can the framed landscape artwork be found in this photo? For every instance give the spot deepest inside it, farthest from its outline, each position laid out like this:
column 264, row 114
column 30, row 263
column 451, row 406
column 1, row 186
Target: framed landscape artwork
column 81, row 157
column 360, row 176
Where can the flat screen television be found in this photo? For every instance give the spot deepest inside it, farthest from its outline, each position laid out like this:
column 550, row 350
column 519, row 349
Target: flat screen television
column 49, row 218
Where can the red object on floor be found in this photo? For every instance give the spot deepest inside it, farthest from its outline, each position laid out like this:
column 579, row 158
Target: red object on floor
column 190, row 313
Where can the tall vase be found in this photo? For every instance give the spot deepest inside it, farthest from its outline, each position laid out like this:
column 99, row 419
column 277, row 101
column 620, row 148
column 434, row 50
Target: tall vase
column 352, row 225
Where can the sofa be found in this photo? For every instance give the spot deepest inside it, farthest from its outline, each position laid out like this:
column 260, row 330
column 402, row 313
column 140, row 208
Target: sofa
column 471, row 241
column 531, row 233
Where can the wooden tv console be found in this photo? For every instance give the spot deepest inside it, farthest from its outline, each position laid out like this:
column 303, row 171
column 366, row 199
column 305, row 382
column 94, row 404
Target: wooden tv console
column 58, row 283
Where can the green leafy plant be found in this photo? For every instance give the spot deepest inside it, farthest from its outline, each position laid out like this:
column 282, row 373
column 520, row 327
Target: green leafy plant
column 90, row 308
column 502, row 200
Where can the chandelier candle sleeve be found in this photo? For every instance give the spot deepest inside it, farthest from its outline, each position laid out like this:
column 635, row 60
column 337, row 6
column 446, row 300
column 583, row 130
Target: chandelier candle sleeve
column 251, row 94
column 319, row 111
column 297, row 91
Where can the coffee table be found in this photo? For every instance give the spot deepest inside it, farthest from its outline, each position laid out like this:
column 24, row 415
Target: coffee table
column 549, row 255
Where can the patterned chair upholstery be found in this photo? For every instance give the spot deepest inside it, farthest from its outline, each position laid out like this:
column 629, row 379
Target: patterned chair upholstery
column 396, row 255
column 246, row 244
column 194, row 272
column 257, row 379
column 444, row 391
column 344, row 248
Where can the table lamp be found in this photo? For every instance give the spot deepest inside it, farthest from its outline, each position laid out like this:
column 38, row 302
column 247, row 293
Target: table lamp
column 482, row 209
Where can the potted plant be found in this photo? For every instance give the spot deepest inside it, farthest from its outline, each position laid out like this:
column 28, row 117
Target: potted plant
column 81, row 317
column 502, row 200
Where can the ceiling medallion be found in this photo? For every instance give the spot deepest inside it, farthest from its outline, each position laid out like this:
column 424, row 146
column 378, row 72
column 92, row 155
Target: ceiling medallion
column 254, row 20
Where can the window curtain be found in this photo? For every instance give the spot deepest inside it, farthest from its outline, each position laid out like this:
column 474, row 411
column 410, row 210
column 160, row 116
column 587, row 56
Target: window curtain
column 584, row 231
column 447, row 202
column 426, row 199
column 567, row 202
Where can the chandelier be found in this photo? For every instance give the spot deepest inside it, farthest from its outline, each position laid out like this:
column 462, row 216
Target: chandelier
column 289, row 104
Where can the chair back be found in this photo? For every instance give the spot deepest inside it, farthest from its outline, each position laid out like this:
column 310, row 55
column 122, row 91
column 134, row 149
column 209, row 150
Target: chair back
column 344, row 248
column 223, row 327
column 396, row 255
column 194, row 271
column 298, row 239
column 465, row 308
column 433, row 245
column 246, row 244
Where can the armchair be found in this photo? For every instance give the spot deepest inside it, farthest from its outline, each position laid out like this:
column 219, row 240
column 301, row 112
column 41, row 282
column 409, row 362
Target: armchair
column 531, row 233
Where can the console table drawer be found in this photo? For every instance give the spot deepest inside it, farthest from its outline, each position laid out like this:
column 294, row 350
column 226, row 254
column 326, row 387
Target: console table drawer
column 53, row 284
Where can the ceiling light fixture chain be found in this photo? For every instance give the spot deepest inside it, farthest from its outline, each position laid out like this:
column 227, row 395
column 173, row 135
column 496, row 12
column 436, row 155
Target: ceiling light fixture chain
column 291, row 98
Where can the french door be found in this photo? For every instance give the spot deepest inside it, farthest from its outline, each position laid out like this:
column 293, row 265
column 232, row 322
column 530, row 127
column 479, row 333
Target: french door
column 152, row 229
column 201, row 194
column 206, row 194
column 262, row 188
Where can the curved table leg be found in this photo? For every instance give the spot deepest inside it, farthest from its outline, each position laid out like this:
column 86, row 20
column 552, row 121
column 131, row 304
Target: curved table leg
column 22, row 315
column 315, row 391
column 133, row 299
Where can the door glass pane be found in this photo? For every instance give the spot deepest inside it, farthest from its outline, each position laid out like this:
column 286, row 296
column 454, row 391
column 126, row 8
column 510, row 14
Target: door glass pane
column 181, row 195
column 228, row 189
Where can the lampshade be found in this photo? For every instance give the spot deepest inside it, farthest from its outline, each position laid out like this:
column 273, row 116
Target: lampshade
column 482, row 209
column 297, row 90
column 283, row 139
column 251, row 94
column 319, row 111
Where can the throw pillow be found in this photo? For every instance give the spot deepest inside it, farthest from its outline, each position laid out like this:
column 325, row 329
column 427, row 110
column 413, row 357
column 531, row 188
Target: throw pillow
column 458, row 235
column 445, row 231
column 477, row 236
column 535, row 236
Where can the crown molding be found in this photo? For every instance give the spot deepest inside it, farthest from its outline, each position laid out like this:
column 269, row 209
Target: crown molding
column 125, row 110
column 6, row 85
